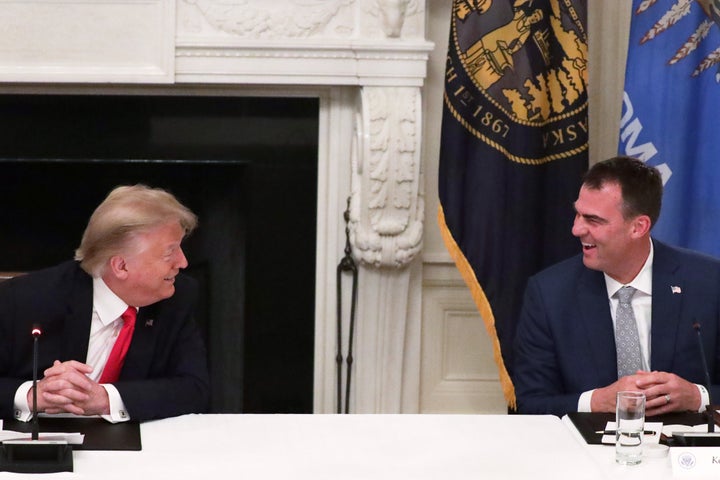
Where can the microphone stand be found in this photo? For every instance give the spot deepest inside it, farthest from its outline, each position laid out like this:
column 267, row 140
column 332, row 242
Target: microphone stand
column 35, row 421
column 35, row 455
column 708, row 383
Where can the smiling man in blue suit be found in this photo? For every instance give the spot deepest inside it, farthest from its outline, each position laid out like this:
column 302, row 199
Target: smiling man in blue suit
column 126, row 272
column 567, row 358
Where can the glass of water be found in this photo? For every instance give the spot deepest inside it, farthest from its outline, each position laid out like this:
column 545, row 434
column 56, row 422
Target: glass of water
column 629, row 423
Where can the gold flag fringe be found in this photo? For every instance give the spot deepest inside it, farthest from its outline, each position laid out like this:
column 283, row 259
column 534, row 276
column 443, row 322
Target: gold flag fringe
column 483, row 307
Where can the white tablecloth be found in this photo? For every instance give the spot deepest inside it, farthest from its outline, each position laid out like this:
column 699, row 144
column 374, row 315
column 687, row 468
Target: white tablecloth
column 336, row 447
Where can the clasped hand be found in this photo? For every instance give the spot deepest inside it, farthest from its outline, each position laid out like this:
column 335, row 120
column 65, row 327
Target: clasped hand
column 664, row 393
column 66, row 388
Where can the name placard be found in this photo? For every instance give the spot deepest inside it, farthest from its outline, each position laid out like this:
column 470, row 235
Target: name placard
column 695, row 461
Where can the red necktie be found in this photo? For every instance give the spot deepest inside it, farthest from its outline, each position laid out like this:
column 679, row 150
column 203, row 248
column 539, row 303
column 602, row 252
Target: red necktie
column 115, row 361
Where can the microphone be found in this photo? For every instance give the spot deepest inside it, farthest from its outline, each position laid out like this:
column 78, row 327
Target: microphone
column 35, row 455
column 701, row 439
column 708, row 383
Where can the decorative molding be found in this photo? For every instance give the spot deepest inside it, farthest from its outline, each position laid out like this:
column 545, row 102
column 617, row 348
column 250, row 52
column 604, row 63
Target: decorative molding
column 259, row 20
column 387, row 205
column 276, row 19
column 285, row 52
column 301, row 63
column 298, row 42
column 392, row 14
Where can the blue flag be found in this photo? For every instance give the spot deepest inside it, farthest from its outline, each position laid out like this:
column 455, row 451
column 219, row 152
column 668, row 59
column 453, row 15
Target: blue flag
column 671, row 93
column 513, row 150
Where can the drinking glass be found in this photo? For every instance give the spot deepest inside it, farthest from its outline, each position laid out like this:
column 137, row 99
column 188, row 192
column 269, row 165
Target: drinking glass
column 629, row 424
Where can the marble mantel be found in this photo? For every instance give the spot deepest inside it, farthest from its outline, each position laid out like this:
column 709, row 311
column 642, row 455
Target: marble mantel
column 365, row 60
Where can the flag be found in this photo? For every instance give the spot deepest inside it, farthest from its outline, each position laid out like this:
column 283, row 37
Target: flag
column 671, row 93
column 513, row 150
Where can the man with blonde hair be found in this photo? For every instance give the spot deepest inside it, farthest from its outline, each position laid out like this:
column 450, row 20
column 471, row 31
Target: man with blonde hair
column 118, row 335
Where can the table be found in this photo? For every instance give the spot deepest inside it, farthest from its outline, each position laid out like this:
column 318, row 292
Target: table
column 337, row 447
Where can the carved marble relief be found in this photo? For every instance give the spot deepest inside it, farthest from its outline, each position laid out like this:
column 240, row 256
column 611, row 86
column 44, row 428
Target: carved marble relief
column 386, row 214
column 279, row 19
column 310, row 19
column 395, row 18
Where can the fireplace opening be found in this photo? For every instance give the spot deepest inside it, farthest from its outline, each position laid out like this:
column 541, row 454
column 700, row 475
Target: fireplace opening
column 246, row 165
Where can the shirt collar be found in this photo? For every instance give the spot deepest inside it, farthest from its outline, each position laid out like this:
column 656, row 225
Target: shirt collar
column 106, row 304
column 641, row 282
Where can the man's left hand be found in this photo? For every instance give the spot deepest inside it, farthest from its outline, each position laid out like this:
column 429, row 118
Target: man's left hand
column 666, row 392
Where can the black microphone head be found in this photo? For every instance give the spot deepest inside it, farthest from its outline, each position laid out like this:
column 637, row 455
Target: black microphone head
column 696, row 326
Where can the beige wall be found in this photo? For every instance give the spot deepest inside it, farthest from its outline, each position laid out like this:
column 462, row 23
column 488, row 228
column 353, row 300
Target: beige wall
column 458, row 373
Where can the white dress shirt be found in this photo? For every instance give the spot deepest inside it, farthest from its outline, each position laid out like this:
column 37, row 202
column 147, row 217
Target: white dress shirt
column 104, row 330
column 642, row 308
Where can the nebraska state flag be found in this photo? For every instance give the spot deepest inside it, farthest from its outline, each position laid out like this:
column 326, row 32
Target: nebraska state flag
column 672, row 92
column 513, row 150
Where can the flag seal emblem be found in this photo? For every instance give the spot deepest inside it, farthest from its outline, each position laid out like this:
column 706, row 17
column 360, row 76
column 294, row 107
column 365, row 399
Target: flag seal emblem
column 516, row 77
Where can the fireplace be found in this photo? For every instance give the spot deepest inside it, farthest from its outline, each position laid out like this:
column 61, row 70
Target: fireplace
column 362, row 63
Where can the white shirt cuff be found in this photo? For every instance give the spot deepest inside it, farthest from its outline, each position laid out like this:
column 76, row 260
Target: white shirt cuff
column 21, row 408
column 118, row 412
column 704, row 397
column 585, row 401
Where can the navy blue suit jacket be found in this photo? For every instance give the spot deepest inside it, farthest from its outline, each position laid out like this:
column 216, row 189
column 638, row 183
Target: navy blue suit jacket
column 165, row 371
column 565, row 343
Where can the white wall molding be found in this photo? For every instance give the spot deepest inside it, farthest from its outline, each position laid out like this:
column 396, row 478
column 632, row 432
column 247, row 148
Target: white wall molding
column 459, row 374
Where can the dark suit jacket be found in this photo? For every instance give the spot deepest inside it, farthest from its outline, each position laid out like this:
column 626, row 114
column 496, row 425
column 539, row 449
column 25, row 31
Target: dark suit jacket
column 165, row 371
column 565, row 343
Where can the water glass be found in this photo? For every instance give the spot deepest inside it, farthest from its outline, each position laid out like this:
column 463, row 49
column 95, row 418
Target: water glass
column 629, row 424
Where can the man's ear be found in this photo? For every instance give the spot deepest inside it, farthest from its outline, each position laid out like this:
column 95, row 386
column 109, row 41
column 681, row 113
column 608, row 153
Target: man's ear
column 118, row 267
column 641, row 226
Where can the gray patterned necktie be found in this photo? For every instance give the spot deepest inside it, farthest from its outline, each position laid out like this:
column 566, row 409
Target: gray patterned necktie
column 627, row 341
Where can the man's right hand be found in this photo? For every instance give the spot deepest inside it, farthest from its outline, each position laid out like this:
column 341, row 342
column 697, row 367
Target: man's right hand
column 604, row 399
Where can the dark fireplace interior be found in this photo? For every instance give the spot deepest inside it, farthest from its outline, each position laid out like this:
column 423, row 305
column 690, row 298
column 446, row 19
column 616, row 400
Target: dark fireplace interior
column 246, row 165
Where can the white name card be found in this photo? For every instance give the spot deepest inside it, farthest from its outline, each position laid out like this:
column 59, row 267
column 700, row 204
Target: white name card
column 695, row 461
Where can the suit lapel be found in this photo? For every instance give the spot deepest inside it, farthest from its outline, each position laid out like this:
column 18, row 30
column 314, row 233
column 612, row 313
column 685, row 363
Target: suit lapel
column 595, row 308
column 666, row 308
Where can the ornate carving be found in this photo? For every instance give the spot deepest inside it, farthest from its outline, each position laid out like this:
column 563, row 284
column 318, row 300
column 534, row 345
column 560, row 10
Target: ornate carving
column 273, row 19
column 386, row 211
column 392, row 14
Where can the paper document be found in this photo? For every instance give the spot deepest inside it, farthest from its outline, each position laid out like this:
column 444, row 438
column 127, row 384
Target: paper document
column 668, row 430
column 70, row 438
